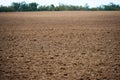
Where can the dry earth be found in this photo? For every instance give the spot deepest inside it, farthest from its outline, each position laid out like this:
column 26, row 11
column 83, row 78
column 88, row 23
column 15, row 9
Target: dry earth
column 60, row 45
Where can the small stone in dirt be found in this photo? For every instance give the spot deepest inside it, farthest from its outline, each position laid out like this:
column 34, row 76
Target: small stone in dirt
column 22, row 55
column 62, row 68
column 65, row 74
column 109, row 40
column 98, row 49
column 28, row 68
column 64, row 64
column 51, row 57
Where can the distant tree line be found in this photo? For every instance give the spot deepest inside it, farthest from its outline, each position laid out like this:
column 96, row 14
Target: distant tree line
column 23, row 6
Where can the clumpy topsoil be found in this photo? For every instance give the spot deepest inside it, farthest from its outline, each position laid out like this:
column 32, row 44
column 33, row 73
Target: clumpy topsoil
column 60, row 45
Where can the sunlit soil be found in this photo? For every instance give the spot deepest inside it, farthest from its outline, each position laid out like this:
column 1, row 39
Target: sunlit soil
column 60, row 45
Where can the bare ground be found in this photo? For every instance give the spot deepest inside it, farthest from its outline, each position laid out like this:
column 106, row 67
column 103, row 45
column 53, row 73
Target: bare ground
column 60, row 45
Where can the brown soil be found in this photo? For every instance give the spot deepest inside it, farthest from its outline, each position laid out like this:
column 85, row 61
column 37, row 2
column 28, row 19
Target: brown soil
column 60, row 45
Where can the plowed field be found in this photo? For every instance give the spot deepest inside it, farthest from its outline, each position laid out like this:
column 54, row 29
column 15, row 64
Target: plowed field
column 80, row 45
